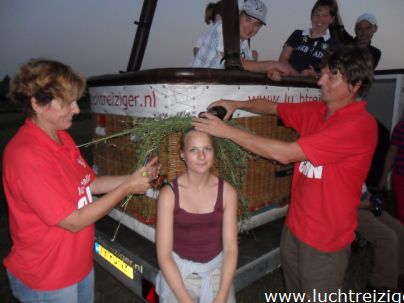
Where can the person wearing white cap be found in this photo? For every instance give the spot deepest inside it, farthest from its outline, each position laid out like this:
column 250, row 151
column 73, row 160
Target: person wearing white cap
column 365, row 28
column 252, row 17
column 304, row 49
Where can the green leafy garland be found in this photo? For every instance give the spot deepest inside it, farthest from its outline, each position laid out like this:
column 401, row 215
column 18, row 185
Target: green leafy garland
column 151, row 132
column 231, row 159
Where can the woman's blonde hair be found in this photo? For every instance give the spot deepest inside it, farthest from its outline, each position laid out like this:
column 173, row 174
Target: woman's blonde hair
column 189, row 130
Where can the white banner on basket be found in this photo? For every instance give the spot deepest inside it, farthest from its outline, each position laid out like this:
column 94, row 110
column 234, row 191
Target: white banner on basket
column 152, row 100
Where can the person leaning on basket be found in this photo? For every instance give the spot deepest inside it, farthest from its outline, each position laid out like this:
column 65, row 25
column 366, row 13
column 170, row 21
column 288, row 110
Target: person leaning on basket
column 365, row 28
column 303, row 50
column 252, row 17
column 213, row 14
column 196, row 231
column 332, row 157
column 49, row 188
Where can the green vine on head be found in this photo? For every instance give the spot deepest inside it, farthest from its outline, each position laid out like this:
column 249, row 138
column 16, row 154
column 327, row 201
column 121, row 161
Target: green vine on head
column 231, row 159
column 149, row 133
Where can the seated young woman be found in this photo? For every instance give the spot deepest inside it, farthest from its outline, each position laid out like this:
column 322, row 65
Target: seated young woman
column 196, row 232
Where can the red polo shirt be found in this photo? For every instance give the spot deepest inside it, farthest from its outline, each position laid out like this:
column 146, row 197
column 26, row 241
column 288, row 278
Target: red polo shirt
column 44, row 182
column 326, row 188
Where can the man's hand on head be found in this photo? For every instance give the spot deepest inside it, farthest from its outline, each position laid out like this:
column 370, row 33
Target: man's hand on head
column 212, row 125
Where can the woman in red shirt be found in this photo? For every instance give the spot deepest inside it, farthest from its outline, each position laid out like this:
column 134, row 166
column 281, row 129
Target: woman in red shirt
column 49, row 188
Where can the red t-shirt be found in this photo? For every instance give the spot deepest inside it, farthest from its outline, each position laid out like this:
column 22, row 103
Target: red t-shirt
column 44, row 182
column 326, row 188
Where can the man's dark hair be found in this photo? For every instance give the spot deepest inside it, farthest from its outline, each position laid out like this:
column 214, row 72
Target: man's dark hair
column 354, row 63
column 213, row 9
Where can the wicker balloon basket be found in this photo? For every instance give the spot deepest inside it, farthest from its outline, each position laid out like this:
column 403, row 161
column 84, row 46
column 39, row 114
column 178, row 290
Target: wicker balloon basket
column 267, row 182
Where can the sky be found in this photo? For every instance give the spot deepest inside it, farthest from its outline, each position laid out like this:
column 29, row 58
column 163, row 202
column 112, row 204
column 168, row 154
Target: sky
column 96, row 36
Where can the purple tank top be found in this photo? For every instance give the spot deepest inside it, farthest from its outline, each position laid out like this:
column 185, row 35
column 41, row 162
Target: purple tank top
column 198, row 237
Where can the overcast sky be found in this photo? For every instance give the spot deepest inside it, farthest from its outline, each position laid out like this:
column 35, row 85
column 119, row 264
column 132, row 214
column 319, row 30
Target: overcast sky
column 96, row 36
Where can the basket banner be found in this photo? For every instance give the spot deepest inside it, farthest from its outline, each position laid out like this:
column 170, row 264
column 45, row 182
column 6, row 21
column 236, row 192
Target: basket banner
column 170, row 99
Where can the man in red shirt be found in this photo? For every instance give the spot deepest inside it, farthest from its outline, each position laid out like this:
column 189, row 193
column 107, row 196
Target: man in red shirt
column 332, row 158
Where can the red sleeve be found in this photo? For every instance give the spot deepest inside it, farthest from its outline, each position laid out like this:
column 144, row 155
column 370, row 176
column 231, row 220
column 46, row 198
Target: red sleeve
column 338, row 141
column 300, row 115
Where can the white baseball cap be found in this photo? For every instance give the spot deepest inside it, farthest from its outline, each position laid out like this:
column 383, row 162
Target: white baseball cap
column 256, row 9
column 367, row 17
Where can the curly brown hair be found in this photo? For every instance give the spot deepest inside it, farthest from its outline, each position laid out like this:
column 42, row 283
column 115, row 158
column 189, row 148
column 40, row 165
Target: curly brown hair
column 45, row 80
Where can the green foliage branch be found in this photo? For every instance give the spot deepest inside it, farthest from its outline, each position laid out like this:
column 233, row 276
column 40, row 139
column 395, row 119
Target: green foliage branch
column 231, row 160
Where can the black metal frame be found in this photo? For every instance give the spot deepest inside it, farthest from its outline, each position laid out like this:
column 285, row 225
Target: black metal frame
column 231, row 34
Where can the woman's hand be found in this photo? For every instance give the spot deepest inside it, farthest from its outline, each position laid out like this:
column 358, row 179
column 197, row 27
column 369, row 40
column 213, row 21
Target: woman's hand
column 152, row 169
column 139, row 181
